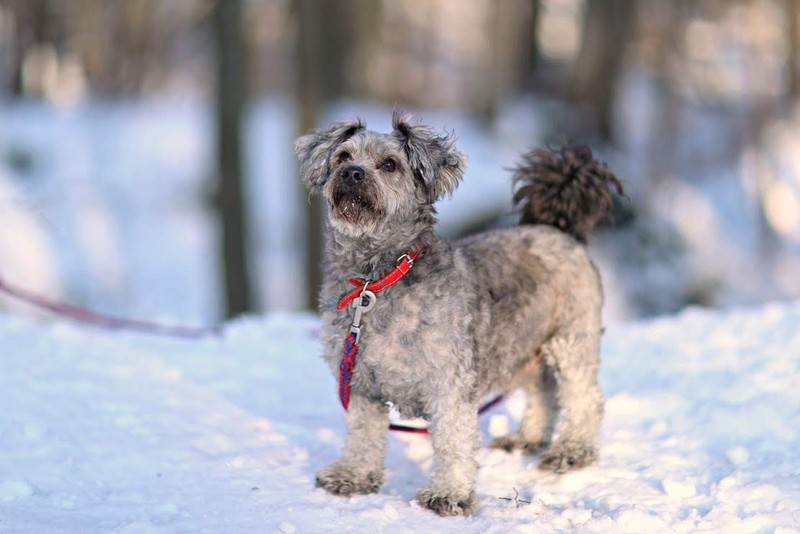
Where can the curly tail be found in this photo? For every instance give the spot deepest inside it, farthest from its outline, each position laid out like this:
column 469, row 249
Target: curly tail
column 566, row 188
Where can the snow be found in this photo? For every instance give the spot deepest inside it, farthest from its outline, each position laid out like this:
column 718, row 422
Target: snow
column 103, row 431
column 112, row 431
column 110, row 209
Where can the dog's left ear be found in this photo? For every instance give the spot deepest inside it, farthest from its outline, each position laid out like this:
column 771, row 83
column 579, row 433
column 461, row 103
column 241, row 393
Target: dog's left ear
column 433, row 157
column 314, row 151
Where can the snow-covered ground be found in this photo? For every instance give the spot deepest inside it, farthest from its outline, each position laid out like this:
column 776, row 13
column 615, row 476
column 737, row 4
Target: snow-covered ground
column 112, row 431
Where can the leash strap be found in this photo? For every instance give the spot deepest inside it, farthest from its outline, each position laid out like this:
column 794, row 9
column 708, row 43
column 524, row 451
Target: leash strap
column 422, row 430
column 346, row 368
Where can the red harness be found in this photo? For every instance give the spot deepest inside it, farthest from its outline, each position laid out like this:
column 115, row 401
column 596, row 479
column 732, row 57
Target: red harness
column 404, row 265
column 366, row 289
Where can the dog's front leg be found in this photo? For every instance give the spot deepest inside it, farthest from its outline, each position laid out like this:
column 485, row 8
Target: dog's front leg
column 455, row 439
column 360, row 467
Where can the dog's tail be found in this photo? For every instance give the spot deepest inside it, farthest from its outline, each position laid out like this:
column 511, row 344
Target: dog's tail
column 565, row 187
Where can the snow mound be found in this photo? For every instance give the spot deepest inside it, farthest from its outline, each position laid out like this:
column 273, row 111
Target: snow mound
column 104, row 431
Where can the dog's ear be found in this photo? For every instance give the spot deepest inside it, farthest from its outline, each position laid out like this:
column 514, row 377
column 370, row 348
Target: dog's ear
column 314, row 151
column 433, row 157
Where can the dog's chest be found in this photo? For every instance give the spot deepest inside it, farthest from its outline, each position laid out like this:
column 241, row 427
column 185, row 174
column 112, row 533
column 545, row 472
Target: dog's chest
column 380, row 384
column 389, row 366
column 415, row 343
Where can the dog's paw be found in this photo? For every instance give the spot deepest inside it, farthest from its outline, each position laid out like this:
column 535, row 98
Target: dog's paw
column 563, row 457
column 515, row 442
column 342, row 480
column 446, row 504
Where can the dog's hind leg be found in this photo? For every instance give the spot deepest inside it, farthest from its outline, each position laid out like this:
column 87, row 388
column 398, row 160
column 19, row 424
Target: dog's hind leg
column 536, row 429
column 576, row 359
column 360, row 467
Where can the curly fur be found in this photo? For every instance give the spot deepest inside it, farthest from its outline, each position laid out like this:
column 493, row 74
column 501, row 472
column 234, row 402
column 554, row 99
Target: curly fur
column 436, row 162
column 517, row 307
column 315, row 149
column 566, row 188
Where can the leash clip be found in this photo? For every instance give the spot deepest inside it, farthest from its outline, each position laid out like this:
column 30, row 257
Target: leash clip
column 360, row 308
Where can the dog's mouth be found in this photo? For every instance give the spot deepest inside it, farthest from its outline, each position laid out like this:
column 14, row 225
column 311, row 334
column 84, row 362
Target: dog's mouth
column 351, row 205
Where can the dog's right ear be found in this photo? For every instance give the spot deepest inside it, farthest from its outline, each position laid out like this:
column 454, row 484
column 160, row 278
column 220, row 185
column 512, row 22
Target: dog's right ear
column 314, row 151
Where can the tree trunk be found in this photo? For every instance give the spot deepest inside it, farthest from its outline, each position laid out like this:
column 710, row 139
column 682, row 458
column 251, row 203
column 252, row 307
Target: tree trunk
column 793, row 56
column 510, row 61
column 607, row 25
column 529, row 43
column 231, row 205
column 32, row 28
column 323, row 42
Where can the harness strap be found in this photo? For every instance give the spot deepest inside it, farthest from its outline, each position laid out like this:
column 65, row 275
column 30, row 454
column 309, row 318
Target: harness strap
column 367, row 288
column 403, row 266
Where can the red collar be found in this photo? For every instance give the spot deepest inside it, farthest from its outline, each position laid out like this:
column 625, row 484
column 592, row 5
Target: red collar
column 404, row 264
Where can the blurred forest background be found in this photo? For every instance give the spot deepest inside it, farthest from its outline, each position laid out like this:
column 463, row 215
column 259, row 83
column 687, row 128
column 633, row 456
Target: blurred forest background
column 146, row 165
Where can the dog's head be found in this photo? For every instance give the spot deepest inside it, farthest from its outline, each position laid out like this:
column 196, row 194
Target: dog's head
column 372, row 180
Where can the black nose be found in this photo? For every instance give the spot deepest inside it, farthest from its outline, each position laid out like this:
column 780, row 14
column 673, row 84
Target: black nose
column 353, row 175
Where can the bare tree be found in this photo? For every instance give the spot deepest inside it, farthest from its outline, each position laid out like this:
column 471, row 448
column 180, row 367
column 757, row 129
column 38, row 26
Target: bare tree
column 328, row 34
column 528, row 58
column 600, row 62
column 311, row 95
column 231, row 205
column 793, row 57
column 34, row 25
column 497, row 84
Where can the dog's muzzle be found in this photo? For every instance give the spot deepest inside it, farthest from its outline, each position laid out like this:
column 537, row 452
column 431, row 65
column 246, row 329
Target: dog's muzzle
column 351, row 203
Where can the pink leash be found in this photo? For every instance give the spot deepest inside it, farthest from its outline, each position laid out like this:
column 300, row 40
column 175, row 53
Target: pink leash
column 418, row 430
column 82, row 315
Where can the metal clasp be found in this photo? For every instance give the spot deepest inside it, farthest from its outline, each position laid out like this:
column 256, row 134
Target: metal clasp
column 406, row 256
column 364, row 303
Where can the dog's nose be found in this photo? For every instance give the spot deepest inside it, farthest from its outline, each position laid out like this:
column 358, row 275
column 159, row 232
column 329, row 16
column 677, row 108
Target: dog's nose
column 353, row 175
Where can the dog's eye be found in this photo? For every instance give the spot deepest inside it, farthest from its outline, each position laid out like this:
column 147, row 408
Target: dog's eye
column 388, row 165
column 345, row 156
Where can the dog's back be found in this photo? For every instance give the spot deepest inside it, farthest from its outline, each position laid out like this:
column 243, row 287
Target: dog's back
column 536, row 280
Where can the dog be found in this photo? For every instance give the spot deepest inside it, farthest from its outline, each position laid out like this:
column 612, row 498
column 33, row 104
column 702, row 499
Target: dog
column 510, row 308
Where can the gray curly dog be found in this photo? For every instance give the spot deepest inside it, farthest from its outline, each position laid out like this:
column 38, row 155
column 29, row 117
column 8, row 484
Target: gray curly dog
column 512, row 308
